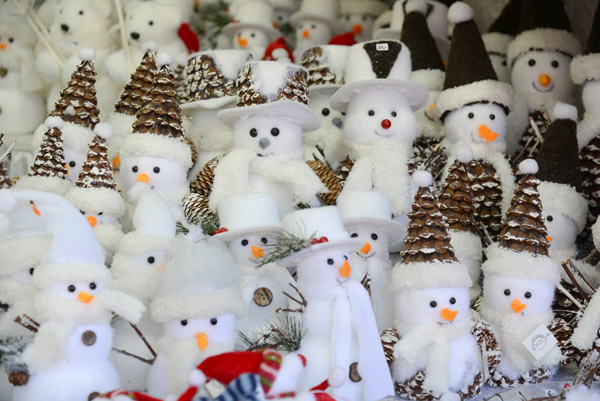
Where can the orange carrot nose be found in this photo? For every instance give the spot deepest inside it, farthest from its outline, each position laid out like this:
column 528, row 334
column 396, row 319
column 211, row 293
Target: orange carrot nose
column 275, row 25
column 3, row 46
column 85, row 297
column 257, row 251
column 202, row 340
column 357, row 29
column 160, row 268
column 305, row 34
column 243, row 42
column 517, row 306
column 486, row 133
column 92, row 220
column 35, row 209
column 143, row 178
column 431, row 106
column 366, row 248
column 449, row 315
column 345, row 270
column 549, row 239
column 116, row 162
column 544, row 79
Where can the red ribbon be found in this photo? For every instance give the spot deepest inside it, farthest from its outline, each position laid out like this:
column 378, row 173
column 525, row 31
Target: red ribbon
column 319, row 240
column 220, row 230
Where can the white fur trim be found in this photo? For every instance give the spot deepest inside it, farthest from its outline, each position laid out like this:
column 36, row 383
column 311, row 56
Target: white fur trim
column 54, row 185
column 51, row 274
column 134, row 243
column 20, row 254
column 564, row 111
column 496, row 42
column 121, row 123
column 104, row 130
column 432, row 80
column 585, row 68
column 163, row 58
column 565, row 200
column 481, row 91
column 528, row 166
column 543, row 39
column 525, row 265
column 421, row 275
column 77, row 137
column 160, row 146
column 206, row 305
column 54, row 122
column 422, row 178
column 586, row 331
column 466, row 245
column 460, row 12
column 87, row 54
column 97, row 200
column 419, row 6
column 588, row 129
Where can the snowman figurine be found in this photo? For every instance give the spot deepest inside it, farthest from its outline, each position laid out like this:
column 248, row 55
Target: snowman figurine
column 539, row 57
column 340, row 338
column 367, row 215
column 473, row 108
column 437, row 356
column 358, row 17
column 325, row 65
column 282, row 11
column 315, row 24
column 68, row 358
column 518, row 290
column 249, row 226
column 379, row 101
column 209, row 88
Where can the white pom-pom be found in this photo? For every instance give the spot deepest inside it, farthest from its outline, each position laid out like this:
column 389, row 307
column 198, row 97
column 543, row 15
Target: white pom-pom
column 419, row 6
column 564, row 111
column 460, row 12
column 103, row 130
column 4, row 224
column 337, row 377
column 87, row 54
column 528, row 166
column 54, row 122
column 163, row 58
column 197, row 378
column 450, row 397
column 464, row 154
column 8, row 200
column 422, row 178
column 150, row 45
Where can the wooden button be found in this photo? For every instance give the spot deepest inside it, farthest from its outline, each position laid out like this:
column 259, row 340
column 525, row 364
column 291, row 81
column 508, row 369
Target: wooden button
column 353, row 373
column 3, row 72
column 263, row 296
column 88, row 338
column 93, row 396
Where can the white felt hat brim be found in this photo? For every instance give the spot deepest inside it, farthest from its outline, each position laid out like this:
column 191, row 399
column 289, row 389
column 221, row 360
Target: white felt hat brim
column 300, row 16
column 290, row 110
column 210, row 104
column 350, row 245
column 416, row 94
column 229, row 236
column 231, row 28
column 391, row 228
column 326, row 89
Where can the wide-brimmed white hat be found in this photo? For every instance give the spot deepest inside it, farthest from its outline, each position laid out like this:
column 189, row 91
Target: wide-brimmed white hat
column 325, row 11
column 252, row 14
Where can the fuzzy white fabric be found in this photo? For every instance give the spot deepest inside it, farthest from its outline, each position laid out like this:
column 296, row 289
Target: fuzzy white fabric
column 488, row 90
column 231, row 174
column 19, row 297
column 591, row 273
column 380, row 272
column 564, row 111
column 134, row 243
column 585, row 68
column 109, row 236
column 382, row 166
column 97, row 200
column 138, row 281
column 588, row 128
column 586, row 331
column 428, row 127
column 525, row 265
column 77, row 136
column 126, row 306
column 22, row 253
column 47, row 346
column 596, row 233
column 460, row 12
column 205, row 305
column 48, row 275
column 431, row 79
column 565, row 200
column 466, row 244
column 55, row 185
column 496, row 42
column 543, row 39
column 330, row 139
column 419, row 275
column 121, row 123
column 160, row 146
column 175, row 197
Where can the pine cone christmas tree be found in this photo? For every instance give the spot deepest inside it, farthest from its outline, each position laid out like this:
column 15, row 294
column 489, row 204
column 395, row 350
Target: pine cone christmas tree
column 589, row 158
column 96, row 171
column 4, row 179
column 50, row 159
column 456, row 200
column 487, row 195
column 140, row 82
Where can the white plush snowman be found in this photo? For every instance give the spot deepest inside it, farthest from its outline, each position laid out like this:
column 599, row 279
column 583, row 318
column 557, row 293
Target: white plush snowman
column 282, row 11
column 68, row 358
column 249, row 226
column 367, row 216
column 340, row 333
column 358, row 17
column 198, row 303
column 315, row 24
column 539, row 57
column 379, row 100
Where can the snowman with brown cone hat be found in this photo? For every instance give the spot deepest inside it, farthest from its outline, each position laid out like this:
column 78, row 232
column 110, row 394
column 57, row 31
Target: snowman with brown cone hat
column 473, row 107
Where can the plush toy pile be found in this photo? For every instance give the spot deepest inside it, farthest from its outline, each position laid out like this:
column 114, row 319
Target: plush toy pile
column 248, row 200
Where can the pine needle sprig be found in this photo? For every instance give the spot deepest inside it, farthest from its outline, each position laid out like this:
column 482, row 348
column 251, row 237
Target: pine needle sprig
column 285, row 334
column 284, row 245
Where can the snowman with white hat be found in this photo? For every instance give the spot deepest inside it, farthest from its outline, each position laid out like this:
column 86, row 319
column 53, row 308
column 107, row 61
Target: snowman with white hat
column 379, row 100
column 367, row 216
column 282, row 11
column 74, row 302
column 315, row 24
column 358, row 17
column 250, row 225
column 341, row 340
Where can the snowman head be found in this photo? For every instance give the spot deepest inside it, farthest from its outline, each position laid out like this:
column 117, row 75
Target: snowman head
column 360, row 24
column 249, row 38
column 431, row 306
column 590, row 96
column 543, row 72
column 74, row 160
column 249, row 248
column 207, row 332
column 313, row 31
column 327, row 266
column 517, row 295
column 479, row 123
column 383, row 114
column 160, row 174
column 562, row 231
column 375, row 243
column 267, row 136
column 99, row 218
column 319, row 103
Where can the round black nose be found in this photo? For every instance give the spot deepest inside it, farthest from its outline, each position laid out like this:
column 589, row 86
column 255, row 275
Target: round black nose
column 135, row 35
column 64, row 27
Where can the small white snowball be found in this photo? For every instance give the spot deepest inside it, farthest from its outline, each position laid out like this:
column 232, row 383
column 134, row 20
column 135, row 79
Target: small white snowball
column 464, row 154
column 103, row 130
column 528, row 166
column 87, row 54
column 422, row 178
column 460, row 12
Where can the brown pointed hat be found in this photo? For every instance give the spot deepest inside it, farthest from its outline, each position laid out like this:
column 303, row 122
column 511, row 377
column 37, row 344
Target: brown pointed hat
column 503, row 29
column 586, row 67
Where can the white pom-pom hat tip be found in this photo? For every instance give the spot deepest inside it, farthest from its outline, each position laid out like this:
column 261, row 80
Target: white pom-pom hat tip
column 87, row 54
column 163, row 58
column 460, row 12
column 337, row 377
column 464, row 155
column 419, row 6
column 150, row 45
column 564, row 111
column 528, row 166
column 103, row 130
column 422, row 178
column 54, row 122
column 197, row 378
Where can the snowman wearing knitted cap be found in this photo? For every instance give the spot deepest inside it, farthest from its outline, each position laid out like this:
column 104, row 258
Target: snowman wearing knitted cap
column 198, row 303
column 250, row 225
column 438, row 354
column 156, row 152
column 379, row 100
column 518, row 290
column 341, row 340
column 74, row 302
column 539, row 56
column 473, row 107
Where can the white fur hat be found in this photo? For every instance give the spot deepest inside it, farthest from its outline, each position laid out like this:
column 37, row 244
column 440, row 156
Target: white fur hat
column 200, row 281
column 252, row 14
column 376, row 65
column 325, row 11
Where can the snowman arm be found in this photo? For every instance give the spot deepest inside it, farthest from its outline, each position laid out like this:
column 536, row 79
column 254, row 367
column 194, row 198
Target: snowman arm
column 126, row 306
column 195, row 204
column 47, row 346
column 329, row 179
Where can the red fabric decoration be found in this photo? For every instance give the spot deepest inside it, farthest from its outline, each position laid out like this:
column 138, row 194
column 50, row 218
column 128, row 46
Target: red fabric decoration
column 319, row 240
column 134, row 395
column 345, row 39
column 277, row 44
column 220, row 230
column 189, row 38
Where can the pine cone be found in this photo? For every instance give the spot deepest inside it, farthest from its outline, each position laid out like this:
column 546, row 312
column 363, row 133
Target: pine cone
column 18, row 378
column 329, row 179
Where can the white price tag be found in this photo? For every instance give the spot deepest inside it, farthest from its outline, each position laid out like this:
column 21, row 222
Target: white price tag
column 382, row 47
column 214, row 388
column 539, row 342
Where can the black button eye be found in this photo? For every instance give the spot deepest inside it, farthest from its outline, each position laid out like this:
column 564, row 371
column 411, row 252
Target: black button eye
column 213, row 321
column 492, row 116
column 531, row 62
column 313, row 26
column 72, row 164
column 10, row 40
column 345, row 257
column 275, row 131
column 527, row 295
column 80, row 12
column 82, row 212
column 325, row 111
column 507, row 292
column 549, row 218
column 452, row 301
column 252, row 35
column 71, row 288
column 183, row 322
column 92, row 286
column 394, row 114
column 329, row 261
column 151, row 259
column 239, row 35
column 354, row 235
column 433, row 304
column 244, row 242
column 503, row 63
column 31, row 271
column 253, row 132
column 134, row 169
column 156, row 170
column 264, row 240
column 471, row 115
column 374, row 237
column 554, row 64
column 371, row 113
column 150, row 23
